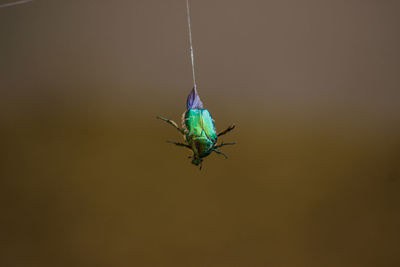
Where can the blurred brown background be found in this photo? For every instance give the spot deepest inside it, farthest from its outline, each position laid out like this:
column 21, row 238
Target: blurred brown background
column 86, row 176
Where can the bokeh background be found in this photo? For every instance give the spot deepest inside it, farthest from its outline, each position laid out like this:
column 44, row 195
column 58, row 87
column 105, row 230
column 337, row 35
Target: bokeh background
column 86, row 175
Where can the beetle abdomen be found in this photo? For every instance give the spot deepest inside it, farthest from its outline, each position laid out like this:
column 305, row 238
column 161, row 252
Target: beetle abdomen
column 200, row 130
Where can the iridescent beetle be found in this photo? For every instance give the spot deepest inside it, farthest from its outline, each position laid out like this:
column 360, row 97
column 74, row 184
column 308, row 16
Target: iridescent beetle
column 198, row 130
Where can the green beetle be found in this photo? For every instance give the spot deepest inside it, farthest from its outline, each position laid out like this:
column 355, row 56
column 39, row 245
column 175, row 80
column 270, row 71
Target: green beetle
column 198, row 130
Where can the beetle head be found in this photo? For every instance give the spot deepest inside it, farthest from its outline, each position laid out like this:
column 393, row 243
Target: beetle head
column 196, row 161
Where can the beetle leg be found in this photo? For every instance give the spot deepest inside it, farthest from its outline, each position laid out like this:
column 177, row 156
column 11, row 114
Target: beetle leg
column 224, row 144
column 219, row 152
column 179, row 144
column 172, row 123
column 227, row 130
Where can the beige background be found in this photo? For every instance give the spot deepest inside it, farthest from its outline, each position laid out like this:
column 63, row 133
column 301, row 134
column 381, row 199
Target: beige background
column 87, row 179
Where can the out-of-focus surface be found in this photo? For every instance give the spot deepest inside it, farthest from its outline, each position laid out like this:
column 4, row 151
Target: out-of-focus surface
column 87, row 179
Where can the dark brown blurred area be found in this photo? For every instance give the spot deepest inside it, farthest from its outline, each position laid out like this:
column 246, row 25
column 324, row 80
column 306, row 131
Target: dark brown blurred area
column 86, row 175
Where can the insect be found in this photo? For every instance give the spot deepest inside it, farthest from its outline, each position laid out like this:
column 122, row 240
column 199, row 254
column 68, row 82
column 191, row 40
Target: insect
column 198, row 130
column 198, row 127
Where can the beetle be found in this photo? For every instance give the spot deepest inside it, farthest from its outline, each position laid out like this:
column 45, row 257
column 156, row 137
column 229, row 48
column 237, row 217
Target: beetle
column 198, row 130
